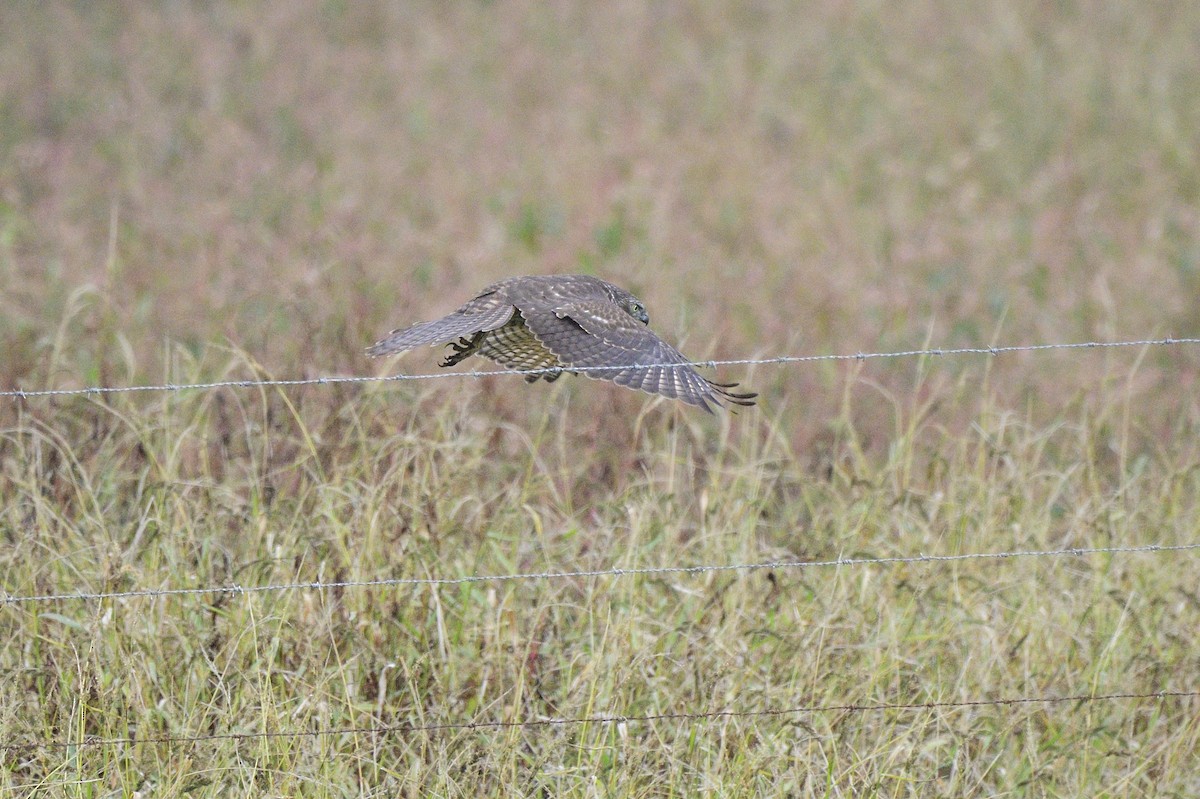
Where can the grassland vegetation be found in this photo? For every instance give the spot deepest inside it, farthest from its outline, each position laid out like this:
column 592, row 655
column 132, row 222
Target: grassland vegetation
column 197, row 192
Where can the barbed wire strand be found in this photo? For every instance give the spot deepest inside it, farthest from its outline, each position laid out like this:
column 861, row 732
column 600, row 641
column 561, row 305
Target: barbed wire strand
column 597, row 719
column 613, row 572
column 783, row 359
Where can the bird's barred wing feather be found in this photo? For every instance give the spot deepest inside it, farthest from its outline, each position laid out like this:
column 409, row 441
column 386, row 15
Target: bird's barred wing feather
column 611, row 345
column 472, row 318
column 513, row 346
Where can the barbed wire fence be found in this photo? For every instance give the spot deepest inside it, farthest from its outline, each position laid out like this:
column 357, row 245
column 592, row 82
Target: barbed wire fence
column 575, row 721
column 246, row 590
column 332, row 380
column 8, row 600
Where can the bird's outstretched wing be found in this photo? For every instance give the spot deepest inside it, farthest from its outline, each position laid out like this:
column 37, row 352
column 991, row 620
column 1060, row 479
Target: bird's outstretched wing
column 609, row 344
column 481, row 314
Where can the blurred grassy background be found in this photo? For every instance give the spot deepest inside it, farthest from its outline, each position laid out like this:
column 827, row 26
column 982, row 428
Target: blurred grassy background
column 194, row 191
column 774, row 178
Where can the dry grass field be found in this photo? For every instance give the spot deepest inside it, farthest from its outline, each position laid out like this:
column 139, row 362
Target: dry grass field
column 197, row 192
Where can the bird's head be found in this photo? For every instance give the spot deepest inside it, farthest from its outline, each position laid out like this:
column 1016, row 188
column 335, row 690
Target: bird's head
column 633, row 306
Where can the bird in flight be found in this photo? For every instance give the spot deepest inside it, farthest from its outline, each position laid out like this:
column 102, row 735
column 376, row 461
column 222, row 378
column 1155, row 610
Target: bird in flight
column 572, row 323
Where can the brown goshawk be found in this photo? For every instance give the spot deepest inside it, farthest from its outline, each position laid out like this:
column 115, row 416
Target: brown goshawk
column 566, row 323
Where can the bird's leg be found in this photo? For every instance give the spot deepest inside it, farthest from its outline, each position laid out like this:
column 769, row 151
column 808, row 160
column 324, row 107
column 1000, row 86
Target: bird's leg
column 463, row 348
